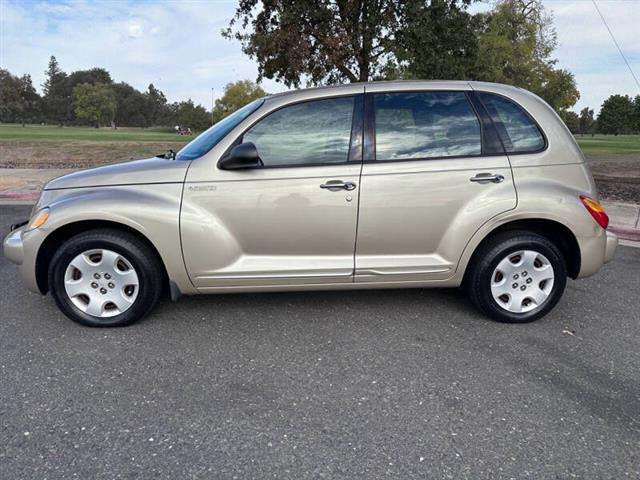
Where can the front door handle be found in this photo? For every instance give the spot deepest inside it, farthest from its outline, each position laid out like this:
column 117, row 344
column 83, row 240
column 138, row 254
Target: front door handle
column 338, row 185
column 487, row 177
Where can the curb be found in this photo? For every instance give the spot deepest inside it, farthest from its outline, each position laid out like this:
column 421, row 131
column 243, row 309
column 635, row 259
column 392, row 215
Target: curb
column 20, row 196
column 626, row 233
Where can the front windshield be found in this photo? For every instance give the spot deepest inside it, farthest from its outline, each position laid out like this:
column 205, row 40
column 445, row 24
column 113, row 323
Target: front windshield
column 210, row 138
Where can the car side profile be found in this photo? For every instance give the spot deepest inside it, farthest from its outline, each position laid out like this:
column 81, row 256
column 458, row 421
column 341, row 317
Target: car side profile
column 376, row 185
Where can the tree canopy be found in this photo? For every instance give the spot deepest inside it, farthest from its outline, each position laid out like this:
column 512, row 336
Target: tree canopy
column 236, row 95
column 94, row 102
column 335, row 41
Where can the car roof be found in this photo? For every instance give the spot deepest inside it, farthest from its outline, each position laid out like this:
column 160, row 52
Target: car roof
column 391, row 85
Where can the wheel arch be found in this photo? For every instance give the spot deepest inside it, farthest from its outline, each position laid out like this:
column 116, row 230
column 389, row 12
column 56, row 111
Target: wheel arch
column 57, row 237
column 555, row 231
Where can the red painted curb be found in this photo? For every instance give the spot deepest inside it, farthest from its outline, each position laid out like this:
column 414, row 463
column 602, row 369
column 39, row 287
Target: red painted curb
column 22, row 196
column 626, row 233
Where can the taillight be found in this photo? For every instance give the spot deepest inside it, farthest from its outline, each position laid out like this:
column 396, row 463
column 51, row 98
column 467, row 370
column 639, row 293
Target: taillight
column 596, row 210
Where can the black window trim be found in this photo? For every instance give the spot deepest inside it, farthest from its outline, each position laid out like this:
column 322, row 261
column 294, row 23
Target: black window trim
column 356, row 135
column 486, row 126
column 527, row 114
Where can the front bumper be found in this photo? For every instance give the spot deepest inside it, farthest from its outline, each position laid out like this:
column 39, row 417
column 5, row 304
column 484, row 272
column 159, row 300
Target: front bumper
column 13, row 247
column 21, row 247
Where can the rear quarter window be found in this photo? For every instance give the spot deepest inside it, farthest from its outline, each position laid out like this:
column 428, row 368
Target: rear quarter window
column 518, row 131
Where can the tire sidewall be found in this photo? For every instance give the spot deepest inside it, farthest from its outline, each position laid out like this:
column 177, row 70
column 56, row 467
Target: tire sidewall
column 495, row 256
column 143, row 302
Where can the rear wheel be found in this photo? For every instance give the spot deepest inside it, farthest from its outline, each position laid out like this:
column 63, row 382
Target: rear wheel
column 105, row 278
column 517, row 277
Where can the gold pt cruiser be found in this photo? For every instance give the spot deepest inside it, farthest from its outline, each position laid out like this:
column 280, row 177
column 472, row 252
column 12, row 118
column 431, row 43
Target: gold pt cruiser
column 378, row 185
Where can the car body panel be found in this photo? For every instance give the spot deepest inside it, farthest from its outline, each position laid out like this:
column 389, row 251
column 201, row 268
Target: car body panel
column 137, row 172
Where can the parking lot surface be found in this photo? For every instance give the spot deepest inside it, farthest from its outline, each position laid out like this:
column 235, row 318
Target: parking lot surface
column 366, row 384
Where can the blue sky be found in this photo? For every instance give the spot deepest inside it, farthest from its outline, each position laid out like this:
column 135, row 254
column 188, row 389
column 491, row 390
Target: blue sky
column 177, row 45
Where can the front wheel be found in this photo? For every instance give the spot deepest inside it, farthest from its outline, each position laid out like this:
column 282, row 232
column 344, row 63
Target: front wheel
column 517, row 277
column 105, row 278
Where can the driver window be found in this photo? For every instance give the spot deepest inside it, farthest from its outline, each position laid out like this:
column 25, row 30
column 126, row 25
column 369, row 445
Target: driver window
column 307, row 133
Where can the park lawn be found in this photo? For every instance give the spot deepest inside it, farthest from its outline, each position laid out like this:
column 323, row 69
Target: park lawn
column 609, row 144
column 38, row 133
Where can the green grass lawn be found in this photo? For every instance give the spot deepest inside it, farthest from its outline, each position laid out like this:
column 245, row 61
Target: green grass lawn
column 609, row 144
column 37, row 133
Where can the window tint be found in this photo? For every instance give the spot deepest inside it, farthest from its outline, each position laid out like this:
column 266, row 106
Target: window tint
column 518, row 131
column 425, row 124
column 306, row 133
column 209, row 139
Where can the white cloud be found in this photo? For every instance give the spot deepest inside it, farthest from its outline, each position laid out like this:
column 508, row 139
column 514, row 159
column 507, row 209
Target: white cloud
column 134, row 29
column 177, row 45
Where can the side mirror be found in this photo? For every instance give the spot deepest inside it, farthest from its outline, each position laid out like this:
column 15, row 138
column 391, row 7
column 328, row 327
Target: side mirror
column 244, row 155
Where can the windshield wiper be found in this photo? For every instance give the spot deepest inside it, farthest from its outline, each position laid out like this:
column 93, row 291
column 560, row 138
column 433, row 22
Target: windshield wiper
column 169, row 155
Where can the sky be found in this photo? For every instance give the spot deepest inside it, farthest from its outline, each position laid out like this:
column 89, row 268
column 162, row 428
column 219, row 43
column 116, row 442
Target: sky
column 177, row 45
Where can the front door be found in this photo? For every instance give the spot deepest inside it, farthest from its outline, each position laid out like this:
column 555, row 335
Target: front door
column 429, row 181
column 291, row 221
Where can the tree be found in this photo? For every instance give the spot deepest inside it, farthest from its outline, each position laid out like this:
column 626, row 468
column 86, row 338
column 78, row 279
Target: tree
column 333, row 41
column 326, row 41
column 187, row 114
column 19, row 101
column 586, row 120
column 132, row 106
column 436, row 40
column 94, row 103
column 516, row 41
column 57, row 98
column 635, row 120
column 236, row 95
column 616, row 115
column 571, row 120
column 158, row 110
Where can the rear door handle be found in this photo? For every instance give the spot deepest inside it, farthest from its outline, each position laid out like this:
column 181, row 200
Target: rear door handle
column 338, row 184
column 486, row 178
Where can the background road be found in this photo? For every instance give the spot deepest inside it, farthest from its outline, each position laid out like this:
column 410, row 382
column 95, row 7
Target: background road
column 396, row 383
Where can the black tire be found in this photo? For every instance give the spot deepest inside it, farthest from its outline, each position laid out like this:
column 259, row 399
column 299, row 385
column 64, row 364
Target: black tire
column 145, row 261
column 478, row 280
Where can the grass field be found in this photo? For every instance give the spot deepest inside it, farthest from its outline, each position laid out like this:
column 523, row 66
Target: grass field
column 48, row 146
column 609, row 144
column 614, row 160
column 37, row 133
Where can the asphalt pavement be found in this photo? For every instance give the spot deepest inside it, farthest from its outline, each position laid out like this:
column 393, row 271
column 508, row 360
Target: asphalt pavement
column 367, row 384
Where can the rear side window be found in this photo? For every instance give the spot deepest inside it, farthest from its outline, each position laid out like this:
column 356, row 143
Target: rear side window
column 307, row 133
column 518, row 131
column 416, row 125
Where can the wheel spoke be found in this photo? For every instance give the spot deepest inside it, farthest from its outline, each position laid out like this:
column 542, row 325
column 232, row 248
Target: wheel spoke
column 95, row 306
column 82, row 264
column 121, row 301
column 128, row 277
column 501, row 289
column 76, row 287
column 109, row 260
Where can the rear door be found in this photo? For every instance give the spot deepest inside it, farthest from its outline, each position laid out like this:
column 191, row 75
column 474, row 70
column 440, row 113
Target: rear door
column 434, row 171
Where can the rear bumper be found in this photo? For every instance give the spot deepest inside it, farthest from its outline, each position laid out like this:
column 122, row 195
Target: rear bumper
column 595, row 251
column 610, row 247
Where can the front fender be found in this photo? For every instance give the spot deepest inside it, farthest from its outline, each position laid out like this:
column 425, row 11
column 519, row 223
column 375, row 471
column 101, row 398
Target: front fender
column 151, row 210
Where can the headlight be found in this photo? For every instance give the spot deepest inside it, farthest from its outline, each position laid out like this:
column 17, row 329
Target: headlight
column 39, row 219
